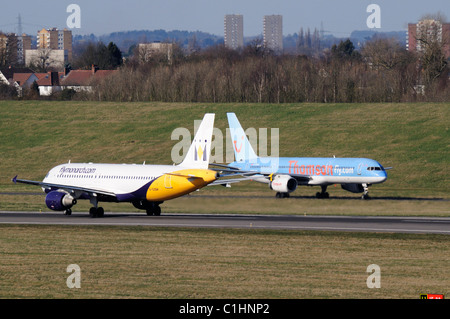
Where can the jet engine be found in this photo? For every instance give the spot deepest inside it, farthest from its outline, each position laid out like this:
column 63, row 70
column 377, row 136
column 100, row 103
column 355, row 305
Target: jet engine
column 283, row 184
column 59, row 201
column 354, row 188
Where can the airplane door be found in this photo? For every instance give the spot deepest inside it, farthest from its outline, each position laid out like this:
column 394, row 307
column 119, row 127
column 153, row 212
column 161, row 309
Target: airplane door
column 359, row 168
column 167, row 181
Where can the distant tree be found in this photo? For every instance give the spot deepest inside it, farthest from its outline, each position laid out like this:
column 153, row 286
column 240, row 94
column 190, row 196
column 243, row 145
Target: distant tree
column 384, row 53
column 105, row 57
column 43, row 60
column 7, row 91
column 32, row 93
column 67, row 94
column 115, row 56
column 308, row 38
column 255, row 48
column 343, row 50
column 432, row 56
column 300, row 40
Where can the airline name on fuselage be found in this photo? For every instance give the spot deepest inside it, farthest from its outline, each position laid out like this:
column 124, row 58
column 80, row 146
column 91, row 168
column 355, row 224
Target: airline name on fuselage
column 294, row 168
column 79, row 170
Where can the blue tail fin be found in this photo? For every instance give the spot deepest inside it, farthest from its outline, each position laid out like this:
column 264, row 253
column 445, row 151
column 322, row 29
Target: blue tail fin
column 242, row 148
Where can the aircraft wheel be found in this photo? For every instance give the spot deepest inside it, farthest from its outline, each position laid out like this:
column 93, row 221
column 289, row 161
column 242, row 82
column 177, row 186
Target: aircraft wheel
column 68, row 212
column 322, row 195
column 154, row 211
column 96, row 212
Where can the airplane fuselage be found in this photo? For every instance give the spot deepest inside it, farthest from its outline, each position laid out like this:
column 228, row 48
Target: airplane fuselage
column 130, row 182
column 318, row 170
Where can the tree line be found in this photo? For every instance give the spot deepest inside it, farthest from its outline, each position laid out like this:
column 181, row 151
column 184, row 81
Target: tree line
column 382, row 71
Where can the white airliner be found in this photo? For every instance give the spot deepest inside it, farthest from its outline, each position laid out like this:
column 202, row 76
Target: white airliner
column 145, row 186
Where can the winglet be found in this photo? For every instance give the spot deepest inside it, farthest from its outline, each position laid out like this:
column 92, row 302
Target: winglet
column 14, row 179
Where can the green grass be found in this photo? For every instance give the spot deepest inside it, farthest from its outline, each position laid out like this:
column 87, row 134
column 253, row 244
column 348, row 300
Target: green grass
column 147, row 262
column 413, row 138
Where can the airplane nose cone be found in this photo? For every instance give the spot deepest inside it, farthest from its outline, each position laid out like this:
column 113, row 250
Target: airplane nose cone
column 382, row 177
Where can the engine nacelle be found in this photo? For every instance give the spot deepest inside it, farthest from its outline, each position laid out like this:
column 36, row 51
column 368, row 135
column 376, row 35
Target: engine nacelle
column 59, row 201
column 283, row 184
column 354, row 188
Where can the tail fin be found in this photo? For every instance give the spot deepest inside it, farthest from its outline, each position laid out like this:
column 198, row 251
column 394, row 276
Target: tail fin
column 200, row 150
column 243, row 150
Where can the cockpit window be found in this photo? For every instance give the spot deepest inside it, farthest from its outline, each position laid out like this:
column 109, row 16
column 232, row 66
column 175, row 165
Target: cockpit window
column 374, row 168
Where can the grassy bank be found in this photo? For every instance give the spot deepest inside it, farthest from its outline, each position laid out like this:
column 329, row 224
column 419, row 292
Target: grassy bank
column 412, row 138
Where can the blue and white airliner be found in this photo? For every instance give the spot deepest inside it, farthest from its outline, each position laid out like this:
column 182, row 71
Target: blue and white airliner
column 145, row 186
column 284, row 174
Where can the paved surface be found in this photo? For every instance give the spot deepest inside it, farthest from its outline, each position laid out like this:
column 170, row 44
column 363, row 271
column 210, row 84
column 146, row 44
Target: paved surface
column 285, row 222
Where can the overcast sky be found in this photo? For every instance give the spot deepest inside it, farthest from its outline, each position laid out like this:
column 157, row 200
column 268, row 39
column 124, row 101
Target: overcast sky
column 339, row 17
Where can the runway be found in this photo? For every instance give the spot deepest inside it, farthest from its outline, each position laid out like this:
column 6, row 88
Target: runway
column 417, row 225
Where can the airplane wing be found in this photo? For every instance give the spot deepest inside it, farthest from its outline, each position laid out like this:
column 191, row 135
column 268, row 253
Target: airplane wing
column 68, row 188
column 299, row 178
column 229, row 171
column 227, row 182
column 184, row 175
column 251, row 174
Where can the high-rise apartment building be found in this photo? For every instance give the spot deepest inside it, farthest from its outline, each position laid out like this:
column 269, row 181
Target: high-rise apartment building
column 273, row 33
column 56, row 40
column 234, row 31
column 428, row 30
column 23, row 44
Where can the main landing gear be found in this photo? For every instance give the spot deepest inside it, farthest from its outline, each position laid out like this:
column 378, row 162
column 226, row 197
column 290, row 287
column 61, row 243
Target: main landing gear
column 154, row 211
column 152, row 208
column 324, row 193
column 95, row 212
column 282, row 195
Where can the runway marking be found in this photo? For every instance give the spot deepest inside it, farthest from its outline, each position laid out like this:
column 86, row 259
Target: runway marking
column 371, row 224
column 281, row 227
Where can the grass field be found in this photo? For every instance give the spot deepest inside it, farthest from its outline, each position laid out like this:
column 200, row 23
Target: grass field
column 144, row 262
column 412, row 138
